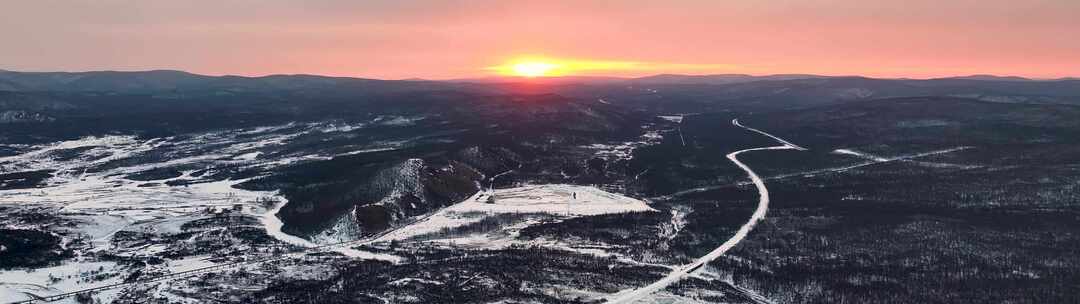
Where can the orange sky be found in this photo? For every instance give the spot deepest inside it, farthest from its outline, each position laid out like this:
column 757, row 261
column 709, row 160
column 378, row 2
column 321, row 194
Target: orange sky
column 444, row 39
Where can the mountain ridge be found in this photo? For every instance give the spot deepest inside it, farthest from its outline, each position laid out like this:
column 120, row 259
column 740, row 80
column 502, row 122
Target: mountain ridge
column 167, row 79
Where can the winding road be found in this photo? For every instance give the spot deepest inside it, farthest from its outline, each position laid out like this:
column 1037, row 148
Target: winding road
column 678, row 273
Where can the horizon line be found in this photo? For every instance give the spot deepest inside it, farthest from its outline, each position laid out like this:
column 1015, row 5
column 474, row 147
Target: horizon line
column 511, row 77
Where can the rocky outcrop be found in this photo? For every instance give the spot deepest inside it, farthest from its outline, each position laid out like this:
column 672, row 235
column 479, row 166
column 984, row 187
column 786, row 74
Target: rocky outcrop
column 410, row 188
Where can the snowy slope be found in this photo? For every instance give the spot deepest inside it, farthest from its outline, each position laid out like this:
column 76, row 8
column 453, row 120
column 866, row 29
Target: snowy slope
column 558, row 201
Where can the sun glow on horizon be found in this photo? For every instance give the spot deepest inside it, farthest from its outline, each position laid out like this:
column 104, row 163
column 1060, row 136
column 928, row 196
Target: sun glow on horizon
column 532, row 67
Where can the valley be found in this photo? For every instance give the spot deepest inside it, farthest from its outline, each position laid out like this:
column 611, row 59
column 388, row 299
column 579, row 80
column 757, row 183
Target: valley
column 394, row 197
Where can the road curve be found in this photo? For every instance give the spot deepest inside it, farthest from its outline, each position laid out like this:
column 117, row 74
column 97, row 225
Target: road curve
column 678, row 273
column 781, row 140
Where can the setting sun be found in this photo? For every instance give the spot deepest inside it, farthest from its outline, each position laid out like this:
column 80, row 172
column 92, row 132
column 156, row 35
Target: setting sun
column 537, row 66
column 534, row 68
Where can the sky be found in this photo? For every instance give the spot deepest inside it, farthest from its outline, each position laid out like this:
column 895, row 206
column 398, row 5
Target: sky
column 463, row 39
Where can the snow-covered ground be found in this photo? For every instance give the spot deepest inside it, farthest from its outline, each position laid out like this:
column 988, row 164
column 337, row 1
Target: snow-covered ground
column 672, row 118
column 909, row 158
column 101, row 210
column 107, row 202
column 92, row 187
column 651, row 135
column 558, row 201
column 625, row 150
column 91, row 179
column 17, row 285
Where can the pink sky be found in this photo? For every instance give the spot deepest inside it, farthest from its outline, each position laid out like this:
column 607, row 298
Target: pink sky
column 444, row 39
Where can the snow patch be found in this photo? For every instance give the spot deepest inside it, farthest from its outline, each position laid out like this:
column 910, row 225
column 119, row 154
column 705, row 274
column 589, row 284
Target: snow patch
column 672, row 118
column 557, row 200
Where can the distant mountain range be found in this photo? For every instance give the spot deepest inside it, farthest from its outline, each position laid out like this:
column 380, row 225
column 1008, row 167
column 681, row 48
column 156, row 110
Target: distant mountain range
column 718, row 78
column 37, row 96
column 169, row 80
column 715, row 79
column 986, row 77
column 157, row 80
